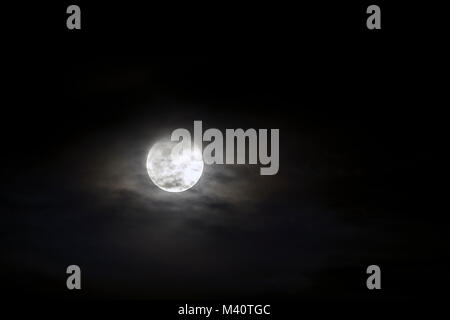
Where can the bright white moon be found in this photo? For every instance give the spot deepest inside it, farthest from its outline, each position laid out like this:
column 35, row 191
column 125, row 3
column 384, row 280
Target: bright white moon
column 172, row 168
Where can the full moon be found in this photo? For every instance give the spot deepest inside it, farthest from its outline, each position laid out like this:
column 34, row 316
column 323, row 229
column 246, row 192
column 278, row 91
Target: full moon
column 173, row 168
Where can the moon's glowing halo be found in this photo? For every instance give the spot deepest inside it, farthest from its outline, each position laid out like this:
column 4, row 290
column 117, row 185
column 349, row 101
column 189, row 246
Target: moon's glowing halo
column 173, row 168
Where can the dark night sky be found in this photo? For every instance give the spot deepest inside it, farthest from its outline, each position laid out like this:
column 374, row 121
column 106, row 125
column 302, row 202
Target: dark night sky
column 354, row 186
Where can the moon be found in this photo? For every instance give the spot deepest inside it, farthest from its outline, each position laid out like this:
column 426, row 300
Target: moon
column 173, row 168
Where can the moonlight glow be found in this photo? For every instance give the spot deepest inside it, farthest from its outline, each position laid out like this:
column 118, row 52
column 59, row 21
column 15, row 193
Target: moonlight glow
column 172, row 168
